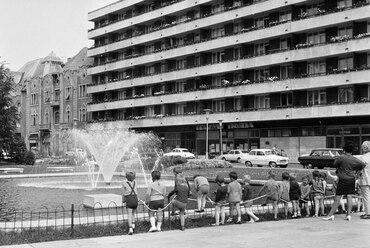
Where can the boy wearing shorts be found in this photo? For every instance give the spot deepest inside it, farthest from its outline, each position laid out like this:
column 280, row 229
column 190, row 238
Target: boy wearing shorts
column 234, row 190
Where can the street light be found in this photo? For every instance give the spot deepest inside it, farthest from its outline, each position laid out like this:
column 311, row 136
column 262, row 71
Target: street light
column 207, row 111
column 220, row 122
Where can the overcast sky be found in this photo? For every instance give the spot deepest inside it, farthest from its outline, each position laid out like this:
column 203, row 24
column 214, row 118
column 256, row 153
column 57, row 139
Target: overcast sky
column 31, row 29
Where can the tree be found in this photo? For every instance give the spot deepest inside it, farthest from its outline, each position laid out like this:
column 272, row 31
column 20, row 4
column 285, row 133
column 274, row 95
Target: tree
column 8, row 112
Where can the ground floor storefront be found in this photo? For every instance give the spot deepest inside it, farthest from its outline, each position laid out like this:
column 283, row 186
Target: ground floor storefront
column 294, row 137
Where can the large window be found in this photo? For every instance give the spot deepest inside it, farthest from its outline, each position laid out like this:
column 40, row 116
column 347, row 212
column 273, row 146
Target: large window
column 47, row 96
column 218, row 106
column 262, row 101
column 34, row 118
column 316, row 67
column 47, row 120
column 68, row 93
column 82, row 91
column 315, row 97
column 56, row 118
column 345, row 63
column 34, row 99
column 316, row 38
column 346, row 31
column 346, row 94
column 218, row 57
column 344, row 4
column 83, row 113
column 68, row 115
column 286, row 99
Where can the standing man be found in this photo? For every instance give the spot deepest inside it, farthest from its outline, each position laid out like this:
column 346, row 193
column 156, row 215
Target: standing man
column 347, row 166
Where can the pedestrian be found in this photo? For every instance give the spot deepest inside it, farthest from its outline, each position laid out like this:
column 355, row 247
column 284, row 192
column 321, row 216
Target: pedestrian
column 202, row 188
column 234, row 190
column 129, row 188
column 364, row 179
column 155, row 196
column 295, row 195
column 347, row 166
column 305, row 189
column 272, row 190
column 220, row 201
column 284, row 188
column 246, row 198
column 181, row 199
column 318, row 188
column 177, row 172
column 334, row 189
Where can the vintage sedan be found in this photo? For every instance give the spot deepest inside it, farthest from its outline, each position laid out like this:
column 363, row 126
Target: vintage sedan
column 234, row 155
column 264, row 157
column 320, row 158
column 182, row 152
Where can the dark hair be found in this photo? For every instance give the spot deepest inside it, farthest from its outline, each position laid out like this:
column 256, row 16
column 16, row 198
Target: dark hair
column 285, row 176
column 156, row 175
column 305, row 177
column 349, row 147
column 316, row 173
column 233, row 175
column 195, row 176
column 220, row 179
column 323, row 175
column 177, row 170
column 130, row 175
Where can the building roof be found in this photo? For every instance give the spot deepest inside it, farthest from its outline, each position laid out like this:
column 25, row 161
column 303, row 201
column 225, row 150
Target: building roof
column 79, row 60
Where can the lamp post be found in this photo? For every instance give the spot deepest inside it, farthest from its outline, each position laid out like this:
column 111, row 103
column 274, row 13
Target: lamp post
column 220, row 123
column 207, row 111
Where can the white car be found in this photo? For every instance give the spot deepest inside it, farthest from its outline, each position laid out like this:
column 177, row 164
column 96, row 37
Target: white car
column 182, row 152
column 262, row 157
column 234, row 155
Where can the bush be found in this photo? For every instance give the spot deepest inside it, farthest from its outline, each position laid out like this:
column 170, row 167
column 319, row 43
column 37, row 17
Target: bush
column 29, row 158
column 170, row 161
column 202, row 164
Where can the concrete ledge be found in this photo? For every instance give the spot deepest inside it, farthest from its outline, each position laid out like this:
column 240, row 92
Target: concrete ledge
column 60, row 168
column 11, row 170
column 98, row 201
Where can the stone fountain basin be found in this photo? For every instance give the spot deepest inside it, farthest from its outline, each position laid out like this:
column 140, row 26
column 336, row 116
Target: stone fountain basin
column 98, row 201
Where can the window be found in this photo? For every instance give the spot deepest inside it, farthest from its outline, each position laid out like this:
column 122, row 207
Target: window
column 286, row 99
column 346, row 94
column 218, row 57
column 345, row 64
column 218, row 32
column 262, row 101
column 316, row 38
column 315, row 97
column 259, row 22
column 82, row 91
column 217, row 8
column 149, row 111
column 83, row 113
column 180, row 108
column 346, row 31
column 149, row 70
column 218, row 106
column 68, row 115
column 68, row 93
column 34, row 118
column 344, row 4
column 285, row 16
column 261, row 74
column 286, row 71
column 181, row 64
column 47, row 96
column 316, row 67
column 47, row 116
column 237, row 103
column 260, row 49
column 34, row 99
column 56, row 118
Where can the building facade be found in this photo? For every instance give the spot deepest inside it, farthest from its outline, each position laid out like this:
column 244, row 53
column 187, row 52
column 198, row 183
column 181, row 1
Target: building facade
column 293, row 74
column 53, row 100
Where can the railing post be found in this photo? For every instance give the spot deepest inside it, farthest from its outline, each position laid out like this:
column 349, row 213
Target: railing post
column 72, row 218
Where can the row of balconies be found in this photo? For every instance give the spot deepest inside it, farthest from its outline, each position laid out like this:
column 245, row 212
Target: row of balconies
column 143, row 38
column 250, row 115
column 276, row 58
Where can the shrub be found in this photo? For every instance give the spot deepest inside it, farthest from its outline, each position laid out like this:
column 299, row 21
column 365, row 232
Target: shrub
column 29, row 158
column 170, row 161
column 202, row 164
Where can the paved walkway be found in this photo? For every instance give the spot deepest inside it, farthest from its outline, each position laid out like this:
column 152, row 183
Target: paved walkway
column 301, row 233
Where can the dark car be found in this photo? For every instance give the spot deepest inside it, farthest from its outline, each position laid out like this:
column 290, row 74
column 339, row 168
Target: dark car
column 320, row 158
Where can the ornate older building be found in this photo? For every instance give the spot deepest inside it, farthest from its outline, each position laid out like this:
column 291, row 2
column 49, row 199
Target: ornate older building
column 54, row 99
column 294, row 73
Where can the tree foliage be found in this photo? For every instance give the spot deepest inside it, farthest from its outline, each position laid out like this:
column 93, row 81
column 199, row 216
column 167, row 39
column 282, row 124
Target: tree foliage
column 8, row 112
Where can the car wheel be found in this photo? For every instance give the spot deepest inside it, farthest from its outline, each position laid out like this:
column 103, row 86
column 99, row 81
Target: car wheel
column 272, row 165
column 238, row 160
column 308, row 166
column 248, row 164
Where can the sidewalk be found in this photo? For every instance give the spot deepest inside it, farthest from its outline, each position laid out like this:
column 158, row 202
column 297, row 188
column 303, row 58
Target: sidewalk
column 302, row 233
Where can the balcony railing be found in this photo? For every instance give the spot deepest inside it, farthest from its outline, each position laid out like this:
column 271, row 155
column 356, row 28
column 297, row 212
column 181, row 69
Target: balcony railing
column 226, row 84
column 45, row 127
column 359, row 101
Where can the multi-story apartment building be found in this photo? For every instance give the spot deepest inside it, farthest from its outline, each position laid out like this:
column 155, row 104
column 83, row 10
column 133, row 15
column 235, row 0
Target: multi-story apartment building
column 290, row 73
column 53, row 100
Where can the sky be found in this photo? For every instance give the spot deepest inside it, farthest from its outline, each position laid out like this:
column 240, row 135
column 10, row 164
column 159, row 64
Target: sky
column 31, row 29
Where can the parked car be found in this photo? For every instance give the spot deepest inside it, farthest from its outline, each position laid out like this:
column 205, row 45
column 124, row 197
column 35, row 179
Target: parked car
column 263, row 157
column 76, row 152
column 234, row 155
column 183, row 152
column 320, row 158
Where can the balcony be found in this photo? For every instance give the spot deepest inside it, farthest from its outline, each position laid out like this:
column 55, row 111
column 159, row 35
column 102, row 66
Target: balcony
column 45, row 127
column 54, row 103
column 256, row 115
